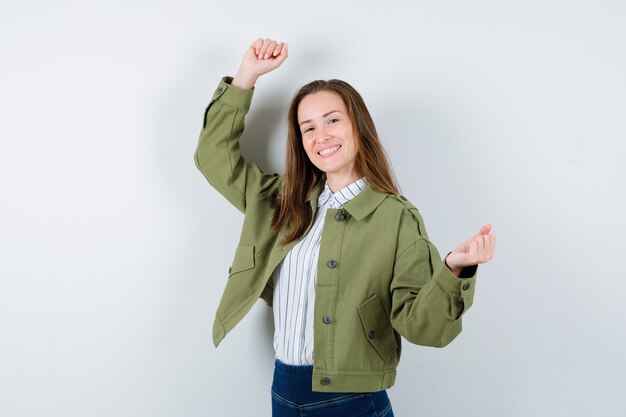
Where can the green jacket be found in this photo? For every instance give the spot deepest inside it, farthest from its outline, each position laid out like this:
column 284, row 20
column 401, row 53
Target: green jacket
column 379, row 276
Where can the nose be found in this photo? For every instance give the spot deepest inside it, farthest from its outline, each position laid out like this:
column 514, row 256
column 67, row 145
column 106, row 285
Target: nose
column 323, row 135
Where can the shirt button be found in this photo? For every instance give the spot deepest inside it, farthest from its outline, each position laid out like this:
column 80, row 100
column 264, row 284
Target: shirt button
column 466, row 286
column 219, row 90
column 325, row 380
column 340, row 216
column 371, row 334
column 327, row 319
column 403, row 197
column 230, row 268
column 332, row 263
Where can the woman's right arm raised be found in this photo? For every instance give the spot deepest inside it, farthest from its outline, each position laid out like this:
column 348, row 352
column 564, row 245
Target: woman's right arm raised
column 217, row 155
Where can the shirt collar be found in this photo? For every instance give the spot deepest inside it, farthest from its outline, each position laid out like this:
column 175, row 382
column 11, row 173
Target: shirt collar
column 359, row 205
column 342, row 196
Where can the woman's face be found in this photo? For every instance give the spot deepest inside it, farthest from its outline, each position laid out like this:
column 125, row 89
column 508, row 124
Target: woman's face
column 327, row 133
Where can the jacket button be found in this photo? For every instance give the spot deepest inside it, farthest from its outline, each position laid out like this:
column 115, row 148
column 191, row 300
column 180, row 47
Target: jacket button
column 340, row 216
column 403, row 197
column 230, row 268
column 219, row 90
column 325, row 380
column 466, row 286
column 371, row 334
column 332, row 263
column 327, row 319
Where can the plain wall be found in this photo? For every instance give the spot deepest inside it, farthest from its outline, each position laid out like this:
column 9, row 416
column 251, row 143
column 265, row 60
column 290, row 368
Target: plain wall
column 114, row 249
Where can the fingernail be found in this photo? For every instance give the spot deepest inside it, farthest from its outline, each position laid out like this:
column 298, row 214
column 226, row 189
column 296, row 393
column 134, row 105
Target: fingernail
column 267, row 56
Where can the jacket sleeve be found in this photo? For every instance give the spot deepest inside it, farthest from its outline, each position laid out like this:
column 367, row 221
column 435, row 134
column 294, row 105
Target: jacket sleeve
column 427, row 299
column 218, row 156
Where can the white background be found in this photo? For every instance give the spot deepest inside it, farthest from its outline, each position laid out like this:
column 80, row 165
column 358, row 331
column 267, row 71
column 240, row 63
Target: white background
column 114, row 249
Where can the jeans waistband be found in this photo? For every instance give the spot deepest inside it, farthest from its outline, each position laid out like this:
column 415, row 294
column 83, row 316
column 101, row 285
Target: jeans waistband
column 293, row 384
column 285, row 367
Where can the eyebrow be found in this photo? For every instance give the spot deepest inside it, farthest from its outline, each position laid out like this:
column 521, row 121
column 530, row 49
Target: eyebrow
column 332, row 111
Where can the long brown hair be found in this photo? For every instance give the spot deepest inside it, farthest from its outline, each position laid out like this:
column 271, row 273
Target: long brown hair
column 302, row 176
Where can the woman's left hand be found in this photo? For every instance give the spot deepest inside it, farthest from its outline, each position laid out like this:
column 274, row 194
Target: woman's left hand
column 476, row 250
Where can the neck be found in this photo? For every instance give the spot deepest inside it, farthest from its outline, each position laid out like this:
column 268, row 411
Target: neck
column 337, row 182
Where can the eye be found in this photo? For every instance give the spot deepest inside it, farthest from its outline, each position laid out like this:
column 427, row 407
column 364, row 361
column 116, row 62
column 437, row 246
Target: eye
column 336, row 120
column 307, row 129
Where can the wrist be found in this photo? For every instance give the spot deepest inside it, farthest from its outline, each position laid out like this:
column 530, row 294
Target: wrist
column 456, row 271
column 243, row 80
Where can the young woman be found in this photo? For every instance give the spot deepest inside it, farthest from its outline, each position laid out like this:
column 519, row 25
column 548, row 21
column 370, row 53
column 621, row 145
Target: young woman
column 343, row 259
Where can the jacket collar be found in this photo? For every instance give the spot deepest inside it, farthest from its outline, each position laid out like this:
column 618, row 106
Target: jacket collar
column 359, row 206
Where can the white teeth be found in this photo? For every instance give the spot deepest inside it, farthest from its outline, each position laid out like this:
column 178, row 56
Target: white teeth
column 330, row 150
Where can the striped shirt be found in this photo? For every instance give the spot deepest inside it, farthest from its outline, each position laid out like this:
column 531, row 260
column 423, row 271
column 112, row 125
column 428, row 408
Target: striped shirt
column 294, row 283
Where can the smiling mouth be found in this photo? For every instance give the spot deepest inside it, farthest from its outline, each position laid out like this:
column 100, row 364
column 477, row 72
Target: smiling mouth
column 329, row 152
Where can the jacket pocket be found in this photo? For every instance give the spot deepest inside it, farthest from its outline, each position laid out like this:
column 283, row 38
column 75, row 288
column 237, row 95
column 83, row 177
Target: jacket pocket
column 377, row 327
column 243, row 259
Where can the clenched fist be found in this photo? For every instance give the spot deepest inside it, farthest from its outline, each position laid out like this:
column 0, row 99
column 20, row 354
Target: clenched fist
column 261, row 57
column 476, row 250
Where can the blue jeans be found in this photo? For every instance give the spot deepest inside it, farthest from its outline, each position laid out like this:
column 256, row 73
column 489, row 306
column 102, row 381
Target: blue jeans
column 292, row 396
